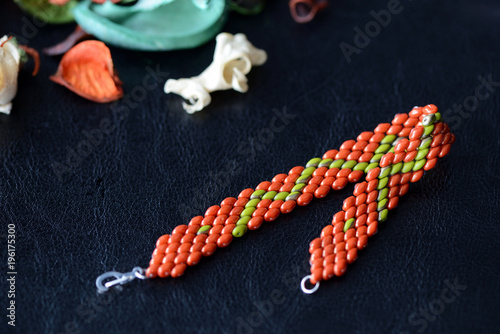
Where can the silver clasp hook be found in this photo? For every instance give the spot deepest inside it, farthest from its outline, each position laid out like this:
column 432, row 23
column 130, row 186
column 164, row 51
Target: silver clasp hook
column 119, row 278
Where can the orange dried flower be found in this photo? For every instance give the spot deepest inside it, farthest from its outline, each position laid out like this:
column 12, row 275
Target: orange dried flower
column 87, row 70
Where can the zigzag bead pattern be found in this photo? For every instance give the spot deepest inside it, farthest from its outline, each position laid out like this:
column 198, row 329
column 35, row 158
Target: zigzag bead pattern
column 389, row 158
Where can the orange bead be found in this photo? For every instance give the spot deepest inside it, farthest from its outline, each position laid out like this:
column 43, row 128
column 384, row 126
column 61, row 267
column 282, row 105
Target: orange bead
column 162, row 240
column 200, row 238
column 228, row 229
column 393, row 191
column 447, row 139
column 352, row 255
column 196, row 220
column 288, row 206
column 328, row 181
column 354, row 155
column 275, row 186
column 232, row 219
column 316, row 276
column 370, row 148
column 372, row 217
column 255, row 223
column 361, row 210
column 304, row 199
column 328, row 250
column 342, row 255
column 271, row 215
column 347, row 145
column 160, row 250
column 401, row 145
column 330, row 154
column 377, row 138
column 360, row 188
column 399, row 119
column 394, row 129
column 296, row 170
column 264, row 203
column 276, row 204
column 175, row 238
column 241, row 202
column 263, row 186
column 398, row 157
column 372, row 196
column 216, row 229
column 340, row 247
column 236, row 211
column 259, row 212
column 430, row 109
column 373, row 174
column 157, row 259
column 316, row 256
column 348, row 202
column 382, row 128
column 445, row 150
column 355, row 176
column 360, row 145
column 152, row 271
column 362, row 241
column 178, row 270
column 287, row 187
column 365, row 157
column 416, row 132
column 360, row 199
column 438, row 128
column 350, row 213
column 360, row 231
column 279, row 178
column 310, row 188
column 417, row 175
column 416, row 112
column 338, row 217
column 339, row 237
column 172, row 248
column 339, row 183
column 224, row 210
column 322, row 191
column 405, row 132
column 194, row 258
column 212, row 211
column 372, row 207
column 430, row 164
column 433, row 153
column 393, row 203
column 332, row 172
column 386, row 159
column 181, row 258
column 411, row 122
column 220, row 220
column 183, row 248
column 372, row 229
column 165, row 269
column 291, row 178
column 394, row 180
column 361, row 220
column 405, row 178
column 180, row 229
column 340, row 267
column 351, row 243
column 327, row 231
column 365, row 136
column 343, row 173
column 228, row 201
column 316, row 180
column 437, row 140
column 192, row 229
column 338, row 227
column 208, row 220
column 342, row 154
column 246, row 193
column 212, row 238
column 403, row 189
column 328, row 272
column 410, row 156
column 209, row 249
column 224, row 240
column 413, row 145
column 320, row 171
column 197, row 247
column 315, row 244
column 349, row 234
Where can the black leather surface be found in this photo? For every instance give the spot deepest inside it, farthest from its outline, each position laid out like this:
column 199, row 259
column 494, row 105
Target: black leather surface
column 159, row 166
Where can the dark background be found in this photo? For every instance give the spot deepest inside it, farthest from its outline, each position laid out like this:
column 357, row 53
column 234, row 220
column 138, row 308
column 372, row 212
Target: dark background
column 161, row 166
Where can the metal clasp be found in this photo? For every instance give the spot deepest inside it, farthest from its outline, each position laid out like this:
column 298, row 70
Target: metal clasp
column 119, row 278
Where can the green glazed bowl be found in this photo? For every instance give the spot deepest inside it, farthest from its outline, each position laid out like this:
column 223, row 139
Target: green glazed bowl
column 178, row 24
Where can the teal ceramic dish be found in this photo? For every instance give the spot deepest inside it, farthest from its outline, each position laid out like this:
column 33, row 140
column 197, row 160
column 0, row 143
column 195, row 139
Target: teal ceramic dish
column 158, row 26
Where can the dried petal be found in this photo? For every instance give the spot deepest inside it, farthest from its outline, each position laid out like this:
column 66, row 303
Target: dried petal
column 87, row 70
column 68, row 43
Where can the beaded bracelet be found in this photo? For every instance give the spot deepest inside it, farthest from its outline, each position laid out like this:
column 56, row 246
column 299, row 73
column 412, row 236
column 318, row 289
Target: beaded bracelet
column 391, row 157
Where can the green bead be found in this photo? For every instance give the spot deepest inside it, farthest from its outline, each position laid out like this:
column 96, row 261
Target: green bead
column 298, row 187
column 388, row 139
column 303, row 179
column 308, row 171
column 383, row 148
column 243, row 220
column 377, row 157
column 269, row 195
column 426, row 142
column 382, row 215
column 419, row 164
column 391, row 150
column 252, row 203
column 428, row 129
column 337, row 163
column 384, row 172
column 382, row 204
column 382, row 194
column 348, row 224
column 247, row 212
column 257, row 194
column 407, row 166
column 371, row 166
column 239, row 231
column 314, row 162
column 281, row 196
column 438, row 116
column 382, row 183
column 203, row 229
column 361, row 166
column 396, row 168
column 421, row 154
column 428, row 120
column 325, row 163
column 293, row 196
column 349, row 164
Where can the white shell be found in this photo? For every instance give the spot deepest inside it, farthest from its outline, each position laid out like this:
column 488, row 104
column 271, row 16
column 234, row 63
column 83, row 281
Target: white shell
column 234, row 57
column 9, row 69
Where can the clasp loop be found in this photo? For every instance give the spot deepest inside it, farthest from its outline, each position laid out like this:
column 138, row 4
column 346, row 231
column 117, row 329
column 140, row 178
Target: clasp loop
column 119, row 278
